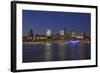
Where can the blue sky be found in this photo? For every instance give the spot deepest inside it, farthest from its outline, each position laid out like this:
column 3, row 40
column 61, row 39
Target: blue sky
column 40, row 21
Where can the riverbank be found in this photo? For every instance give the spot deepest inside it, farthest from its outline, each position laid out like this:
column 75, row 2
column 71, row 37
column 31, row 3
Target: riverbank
column 43, row 42
column 59, row 42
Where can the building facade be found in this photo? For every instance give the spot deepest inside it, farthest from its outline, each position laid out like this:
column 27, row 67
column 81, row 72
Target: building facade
column 49, row 32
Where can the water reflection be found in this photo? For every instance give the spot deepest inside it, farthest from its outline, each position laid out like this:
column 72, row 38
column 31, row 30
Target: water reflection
column 48, row 51
column 62, row 50
column 74, row 52
column 55, row 52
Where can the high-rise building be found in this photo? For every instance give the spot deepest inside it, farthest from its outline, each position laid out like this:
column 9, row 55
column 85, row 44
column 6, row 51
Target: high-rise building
column 62, row 32
column 73, row 34
column 49, row 32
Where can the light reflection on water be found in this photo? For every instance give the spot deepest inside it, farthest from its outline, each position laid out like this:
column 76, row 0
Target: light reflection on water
column 48, row 52
column 55, row 52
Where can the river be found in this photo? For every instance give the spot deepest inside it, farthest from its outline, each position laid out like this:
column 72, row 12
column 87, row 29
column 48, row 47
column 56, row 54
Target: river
column 55, row 52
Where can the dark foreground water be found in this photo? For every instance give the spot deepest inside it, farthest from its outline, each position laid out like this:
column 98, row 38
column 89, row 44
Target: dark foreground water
column 55, row 52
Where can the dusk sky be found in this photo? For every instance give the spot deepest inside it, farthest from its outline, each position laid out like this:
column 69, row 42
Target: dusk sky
column 40, row 21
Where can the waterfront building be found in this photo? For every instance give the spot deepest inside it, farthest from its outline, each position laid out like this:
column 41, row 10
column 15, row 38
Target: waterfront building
column 68, row 33
column 73, row 34
column 40, row 37
column 80, row 35
column 49, row 32
column 35, row 38
column 62, row 32
column 63, row 35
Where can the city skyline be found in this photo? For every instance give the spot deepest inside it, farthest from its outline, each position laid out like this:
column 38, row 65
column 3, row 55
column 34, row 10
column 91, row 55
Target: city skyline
column 40, row 21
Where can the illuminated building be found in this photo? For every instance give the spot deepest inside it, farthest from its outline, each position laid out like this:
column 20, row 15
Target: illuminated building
column 73, row 34
column 49, row 32
column 62, row 32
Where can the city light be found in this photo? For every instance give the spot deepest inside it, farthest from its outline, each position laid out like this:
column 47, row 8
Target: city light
column 74, row 42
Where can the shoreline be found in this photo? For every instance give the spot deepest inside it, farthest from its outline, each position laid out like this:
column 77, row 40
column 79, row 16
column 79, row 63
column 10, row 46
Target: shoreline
column 85, row 42
column 41, row 42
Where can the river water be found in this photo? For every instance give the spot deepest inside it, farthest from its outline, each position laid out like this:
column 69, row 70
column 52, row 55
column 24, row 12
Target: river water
column 55, row 52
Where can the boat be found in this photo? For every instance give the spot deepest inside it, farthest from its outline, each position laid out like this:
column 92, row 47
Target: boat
column 74, row 41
